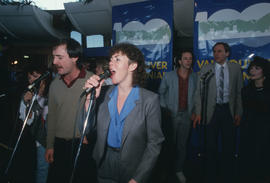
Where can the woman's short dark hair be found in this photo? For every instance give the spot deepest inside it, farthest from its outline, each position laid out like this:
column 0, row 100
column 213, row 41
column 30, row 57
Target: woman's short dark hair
column 40, row 69
column 264, row 64
column 260, row 62
column 74, row 49
column 135, row 56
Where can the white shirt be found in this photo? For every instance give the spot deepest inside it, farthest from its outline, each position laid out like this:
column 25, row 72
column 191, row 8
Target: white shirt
column 226, row 92
column 23, row 107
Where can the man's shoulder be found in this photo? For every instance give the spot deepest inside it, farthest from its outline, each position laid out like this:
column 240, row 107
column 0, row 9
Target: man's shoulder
column 208, row 66
column 55, row 81
column 170, row 74
column 88, row 74
column 234, row 64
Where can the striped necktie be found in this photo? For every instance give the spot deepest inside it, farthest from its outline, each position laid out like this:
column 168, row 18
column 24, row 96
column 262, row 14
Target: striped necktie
column 221, row 85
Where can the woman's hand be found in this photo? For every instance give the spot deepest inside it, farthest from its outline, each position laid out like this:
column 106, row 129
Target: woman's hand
column 93, row 81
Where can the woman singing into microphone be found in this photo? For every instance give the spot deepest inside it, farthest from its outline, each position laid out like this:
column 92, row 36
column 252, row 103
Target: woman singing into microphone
column 129, row 134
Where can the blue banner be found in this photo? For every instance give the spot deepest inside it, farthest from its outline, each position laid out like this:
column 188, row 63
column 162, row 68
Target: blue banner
column 243, row 24
column 148, row 25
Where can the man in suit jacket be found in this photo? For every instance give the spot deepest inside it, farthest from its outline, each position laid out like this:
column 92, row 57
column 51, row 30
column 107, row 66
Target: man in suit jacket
column 129, row 135
column 176, row 91
column 223, row 111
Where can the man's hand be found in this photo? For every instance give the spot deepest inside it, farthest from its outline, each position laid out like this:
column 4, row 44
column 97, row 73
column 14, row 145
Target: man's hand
column 192, row 117
column 132, row 181
column 85, row 141
column 28, row 96
column 237, row 119
column 49, row 155
column 197, row 120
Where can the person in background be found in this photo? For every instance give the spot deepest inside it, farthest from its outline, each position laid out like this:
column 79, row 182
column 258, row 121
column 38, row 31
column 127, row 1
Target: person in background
column 63, row 133
column 101, row 66
column 129, row 135
column 37, row 118
column 255, row 125
column 29, row 162
column 176, row 91
column 223, row 110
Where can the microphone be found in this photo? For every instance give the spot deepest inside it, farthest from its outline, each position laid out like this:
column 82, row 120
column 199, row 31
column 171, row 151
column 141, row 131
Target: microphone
column 37, row 81
column 104, row 75
column 205, row 75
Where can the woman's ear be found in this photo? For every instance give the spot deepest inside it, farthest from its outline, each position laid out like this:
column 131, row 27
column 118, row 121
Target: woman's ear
column 132, row 67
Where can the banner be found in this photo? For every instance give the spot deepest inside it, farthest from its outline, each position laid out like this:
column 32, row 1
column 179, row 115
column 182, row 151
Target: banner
column 243, row 24
column 148, row 25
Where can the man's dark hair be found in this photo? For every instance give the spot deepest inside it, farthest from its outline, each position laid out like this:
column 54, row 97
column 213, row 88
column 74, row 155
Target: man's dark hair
column 74, row 49
column 179, row 56
column 135, row 56
column 225, row 45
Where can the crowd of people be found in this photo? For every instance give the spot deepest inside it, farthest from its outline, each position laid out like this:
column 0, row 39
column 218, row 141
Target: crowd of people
column 130, row 126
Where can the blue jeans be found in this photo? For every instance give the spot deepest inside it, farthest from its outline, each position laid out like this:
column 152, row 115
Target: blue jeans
column 42, row 165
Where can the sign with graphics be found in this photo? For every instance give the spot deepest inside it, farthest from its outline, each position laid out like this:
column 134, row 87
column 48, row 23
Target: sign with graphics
column 243, row 24
column 148, row 25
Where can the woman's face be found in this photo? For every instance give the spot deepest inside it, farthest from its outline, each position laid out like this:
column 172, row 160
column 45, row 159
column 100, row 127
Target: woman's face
column 33, row 76
column 256, row 73
column 120, row 68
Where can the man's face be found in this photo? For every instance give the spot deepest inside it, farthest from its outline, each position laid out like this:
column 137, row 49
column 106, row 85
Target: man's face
column 220, row 55
column 186, row 60
column 63, row 63
column 99, row 69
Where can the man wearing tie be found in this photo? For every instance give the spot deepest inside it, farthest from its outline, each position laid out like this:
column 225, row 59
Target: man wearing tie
column 223, row 111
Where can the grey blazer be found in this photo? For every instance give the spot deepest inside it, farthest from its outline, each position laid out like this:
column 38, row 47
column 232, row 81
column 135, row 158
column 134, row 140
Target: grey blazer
column 169, row 88
column 141, row 139
column 235, row 86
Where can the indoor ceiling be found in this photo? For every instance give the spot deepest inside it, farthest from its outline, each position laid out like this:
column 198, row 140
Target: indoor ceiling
column 28, row 23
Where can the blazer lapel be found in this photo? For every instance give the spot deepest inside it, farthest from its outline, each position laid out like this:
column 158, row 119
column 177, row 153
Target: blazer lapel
column 176, row 86
column 105, row 118
column 129, row 121
column 230, row 72
column 213, row 82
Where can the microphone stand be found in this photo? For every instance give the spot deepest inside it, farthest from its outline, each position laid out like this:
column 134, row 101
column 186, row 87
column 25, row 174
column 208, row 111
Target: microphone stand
column 204, row 98
column 35, row 90
column 90, row 107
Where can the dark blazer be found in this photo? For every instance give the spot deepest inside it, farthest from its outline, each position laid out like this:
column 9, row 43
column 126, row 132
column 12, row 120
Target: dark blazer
column 141, row 139
column 235, row 86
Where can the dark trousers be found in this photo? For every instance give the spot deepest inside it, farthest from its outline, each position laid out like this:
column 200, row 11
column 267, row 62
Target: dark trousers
column 23, row 166
column 110, row 169
column 220, row 128
column 61, row 169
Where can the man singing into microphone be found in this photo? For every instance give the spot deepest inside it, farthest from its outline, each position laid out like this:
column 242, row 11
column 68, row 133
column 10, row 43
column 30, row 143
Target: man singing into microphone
column 64, row 95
